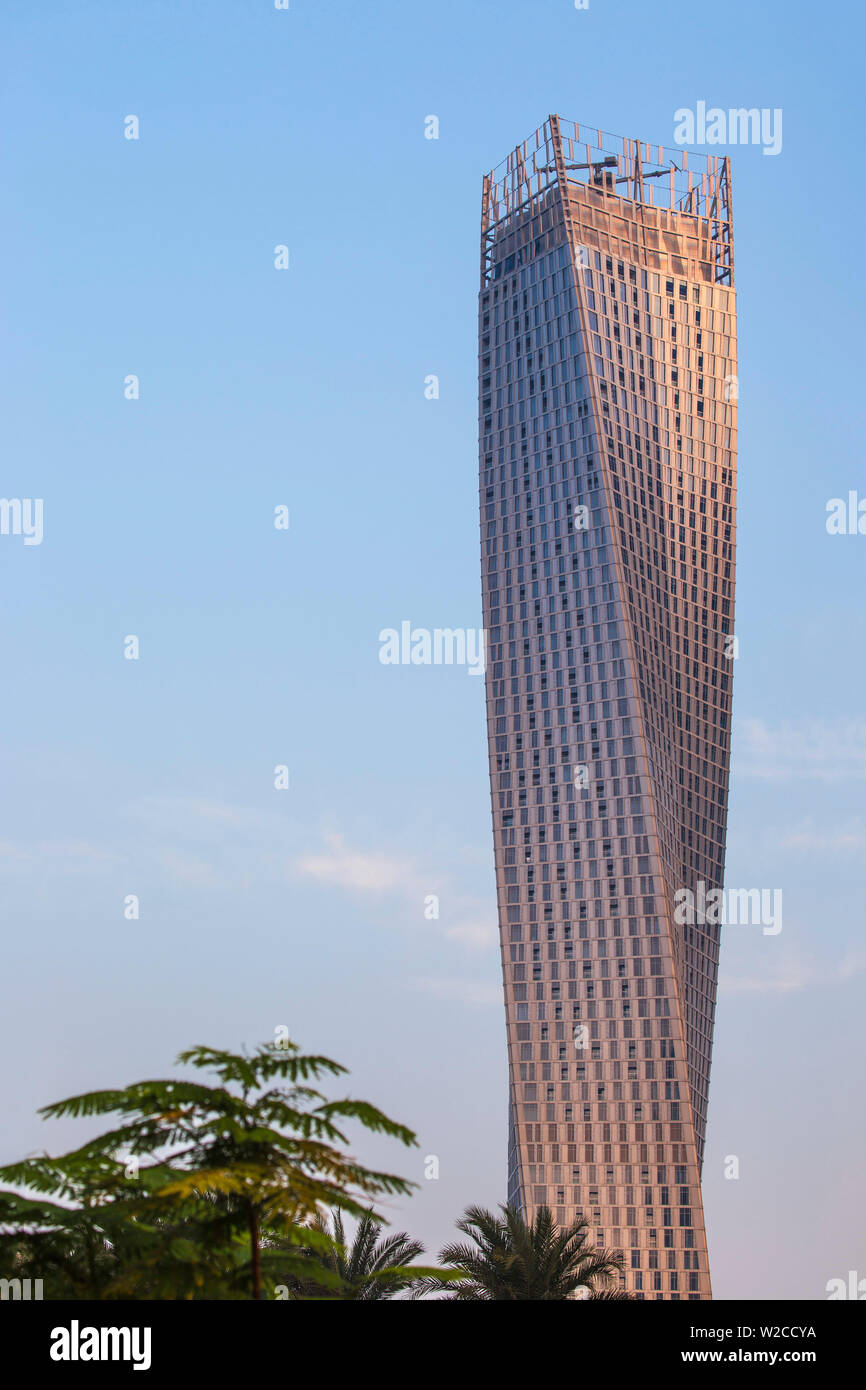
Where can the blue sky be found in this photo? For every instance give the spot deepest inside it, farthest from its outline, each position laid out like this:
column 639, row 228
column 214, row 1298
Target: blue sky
column 259, row 647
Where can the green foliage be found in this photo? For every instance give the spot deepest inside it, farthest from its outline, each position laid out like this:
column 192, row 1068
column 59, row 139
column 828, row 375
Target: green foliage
column 221, row 1193
column 228, row 1179
column 511, row 1259
column 368, row 1269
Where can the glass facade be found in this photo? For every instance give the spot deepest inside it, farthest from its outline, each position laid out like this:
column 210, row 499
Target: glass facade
column 607, row 428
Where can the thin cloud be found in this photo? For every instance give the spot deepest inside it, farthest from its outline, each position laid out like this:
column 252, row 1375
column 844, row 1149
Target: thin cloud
column 196, row 818
column 792, row 976
column 65, row 856
column 476, row 993
column 478, row 935
column 805, row 750
column 457, row 917
column 851, row 839
column 787, row 981
column 347, row 868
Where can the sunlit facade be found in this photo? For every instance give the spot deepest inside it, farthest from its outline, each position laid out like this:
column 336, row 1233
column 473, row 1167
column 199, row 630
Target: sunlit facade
column 607, row 429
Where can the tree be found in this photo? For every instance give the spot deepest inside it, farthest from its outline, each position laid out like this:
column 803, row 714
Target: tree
column 74, row 1248
column 511, row 1259
column 227, row 1177
column 366, row 1270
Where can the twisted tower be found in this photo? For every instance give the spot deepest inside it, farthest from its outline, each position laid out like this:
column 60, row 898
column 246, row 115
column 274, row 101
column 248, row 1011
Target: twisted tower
column 607, row 457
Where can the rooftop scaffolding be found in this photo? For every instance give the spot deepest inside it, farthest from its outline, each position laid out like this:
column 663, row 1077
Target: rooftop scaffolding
column 618, row 174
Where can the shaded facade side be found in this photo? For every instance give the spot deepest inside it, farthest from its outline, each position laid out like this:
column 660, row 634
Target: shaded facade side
column 607, row 456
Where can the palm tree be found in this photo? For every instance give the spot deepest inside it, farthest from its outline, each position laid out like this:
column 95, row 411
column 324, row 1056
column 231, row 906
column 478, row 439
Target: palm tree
column 510, row 1258
column 366, row 1270
column 227, row 1178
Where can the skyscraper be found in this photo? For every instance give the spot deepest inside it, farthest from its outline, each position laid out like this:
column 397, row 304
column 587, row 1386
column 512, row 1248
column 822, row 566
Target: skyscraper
column 607, row 448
